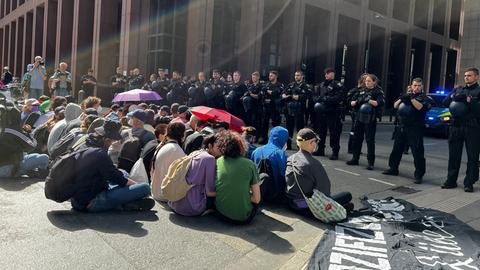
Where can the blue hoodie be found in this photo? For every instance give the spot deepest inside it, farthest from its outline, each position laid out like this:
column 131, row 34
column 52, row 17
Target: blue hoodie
column 276, row 155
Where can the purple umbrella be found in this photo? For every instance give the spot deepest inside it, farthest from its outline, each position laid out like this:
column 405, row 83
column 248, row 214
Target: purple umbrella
column 137, row 95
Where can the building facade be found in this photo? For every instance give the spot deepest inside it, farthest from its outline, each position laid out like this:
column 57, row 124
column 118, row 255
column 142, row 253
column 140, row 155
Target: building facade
column 394, row 39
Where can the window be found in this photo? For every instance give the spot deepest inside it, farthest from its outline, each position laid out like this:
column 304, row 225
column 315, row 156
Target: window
column 167, row 35
column 420, row 17
column 401, row 10
column 439, row 10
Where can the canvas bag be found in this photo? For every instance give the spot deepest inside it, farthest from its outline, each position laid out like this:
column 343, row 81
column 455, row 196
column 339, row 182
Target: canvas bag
column 323, row 207
column 138, row 172
column 174, row 186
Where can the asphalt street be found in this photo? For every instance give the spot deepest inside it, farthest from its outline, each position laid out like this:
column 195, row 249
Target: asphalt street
column 36, row 233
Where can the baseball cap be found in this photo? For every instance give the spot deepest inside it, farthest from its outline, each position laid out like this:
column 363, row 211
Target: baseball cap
column 306, row 134
column 110, row 129
column 182, row 108
column 139, row 114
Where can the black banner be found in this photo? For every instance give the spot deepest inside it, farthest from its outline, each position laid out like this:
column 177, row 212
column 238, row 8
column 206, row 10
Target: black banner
column 395, row 234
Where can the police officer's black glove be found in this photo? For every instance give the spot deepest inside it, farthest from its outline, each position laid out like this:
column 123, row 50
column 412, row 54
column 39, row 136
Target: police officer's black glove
column 459, row 97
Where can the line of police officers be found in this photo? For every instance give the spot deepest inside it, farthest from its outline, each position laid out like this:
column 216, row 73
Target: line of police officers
column 261, row 104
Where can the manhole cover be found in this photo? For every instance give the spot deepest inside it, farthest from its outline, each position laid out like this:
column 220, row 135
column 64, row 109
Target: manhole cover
column 405, row 190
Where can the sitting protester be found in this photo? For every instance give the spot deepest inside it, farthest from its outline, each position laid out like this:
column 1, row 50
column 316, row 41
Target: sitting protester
column 248, row 135
column 72, row 138
column 182, row 115
column 201, row 175
column 14, row 143
column 166, row 153
column 42, row 132
column 72, row 111
column 237, row 188
column 274, row 188
column 129, row 151
column 194, row 141
column 102, row 186
column 310, row 174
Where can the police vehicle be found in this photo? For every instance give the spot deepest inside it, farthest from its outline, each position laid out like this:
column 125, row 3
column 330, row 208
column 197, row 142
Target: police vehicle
column 438, row 118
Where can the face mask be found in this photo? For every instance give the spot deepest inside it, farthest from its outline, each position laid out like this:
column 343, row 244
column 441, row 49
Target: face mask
column 99, row 109
column 130, row 122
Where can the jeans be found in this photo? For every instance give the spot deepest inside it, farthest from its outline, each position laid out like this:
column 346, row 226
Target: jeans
column 35, row 93
column 29, row 163
column 116, row 196
column 61, row 92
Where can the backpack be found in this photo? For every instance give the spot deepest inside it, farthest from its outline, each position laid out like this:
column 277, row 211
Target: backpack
column 130, row 151
column 174, row 186
column 147, row 154
column 60, row 183
column 265, row 172
column 64, row 144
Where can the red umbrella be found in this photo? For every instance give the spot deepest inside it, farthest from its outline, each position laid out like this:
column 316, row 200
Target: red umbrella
column 207, row 113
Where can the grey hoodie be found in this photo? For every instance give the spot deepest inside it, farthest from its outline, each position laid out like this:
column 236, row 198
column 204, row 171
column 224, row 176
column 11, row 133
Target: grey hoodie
column 72, row 111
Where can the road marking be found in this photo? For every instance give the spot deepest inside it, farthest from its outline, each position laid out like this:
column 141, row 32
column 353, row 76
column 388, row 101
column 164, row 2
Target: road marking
column 349, row 172
column 380, row 181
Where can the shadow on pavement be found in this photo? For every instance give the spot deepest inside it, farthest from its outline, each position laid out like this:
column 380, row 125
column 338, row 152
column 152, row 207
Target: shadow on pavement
column 115, row 222
column 260, row 232
column 17, row 183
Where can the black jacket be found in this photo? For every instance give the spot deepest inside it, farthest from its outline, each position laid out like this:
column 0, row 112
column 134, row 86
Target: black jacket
column 330, row 93
column 472, row 118
column 94, row 171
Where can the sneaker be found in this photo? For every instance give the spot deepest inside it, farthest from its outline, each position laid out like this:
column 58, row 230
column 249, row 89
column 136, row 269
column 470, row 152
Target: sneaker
column 334, row 157
column 352, row 162
column 390, row 172
column 418, row 180
column 468, row 188
column 449, row 186
column 370, row 167
column 144, row 204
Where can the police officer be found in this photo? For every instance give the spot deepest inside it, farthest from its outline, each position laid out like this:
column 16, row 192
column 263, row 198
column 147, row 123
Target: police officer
column 177, row 90
column 294, row 98
column 464, row 106
column 368, row 101
column 161, row 85
column 272, row 104
column 215, row 93
column 136, row 81
column 328, row 103
column 411, row 110
column 196, row 92
column 352, row 95
column 234, row 94
column 252, row 102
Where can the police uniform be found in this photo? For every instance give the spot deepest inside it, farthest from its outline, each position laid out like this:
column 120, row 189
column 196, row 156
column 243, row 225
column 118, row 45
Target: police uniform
column 161, row 87
column 366, row 124
column 136, row 82
column 309, row 107
column 252, row 105
column 409, row 130
column 352, row 95
column 215, row 94
column 294, row 109
column 465, row 128
column 233, row 97
column 196, row 94
column 329, row 97
column 178, row 92
column 272, row 107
